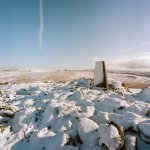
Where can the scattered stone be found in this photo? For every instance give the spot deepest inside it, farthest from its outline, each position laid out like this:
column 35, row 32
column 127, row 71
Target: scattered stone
column 144, row 95
column 7, row 113
column 8, row 107
column 66, row 108
column 101, row 117
column 77, row 141
column 117, row 86
column 93, row 141
column 86, row 128
column 110, row 134
column 22, row 92
column 97, row 148
column 76, row 96
column 2, row 128
column 89, row 111
column 130, row 142
column 62, row 140
column 130, row 120
column 144, row 128
column 69, row 147
column 113, row 117
column 82, row 82
column 4, row 131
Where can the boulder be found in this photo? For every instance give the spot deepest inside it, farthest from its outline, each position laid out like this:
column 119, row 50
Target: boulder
column 144, row 128
column 86, row 128
column 115, row 117
column 130, row 120
column 144, row 95
column 101, row 117
column 110, row 134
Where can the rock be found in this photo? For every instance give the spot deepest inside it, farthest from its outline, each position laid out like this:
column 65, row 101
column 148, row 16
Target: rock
column 51, row 141
column 112, row 104
column 86, row 128
column 1, row 93
column 115, row 117
column 130, row 120
column 82, row 82
column 135, row 109
column 88, row 111
column 66, row 108
column 50, row 112
column 144, row 95
column 101, row 117
column 117, row 86
column 9, row 107
column 110, row 134
column 62, row 140
column 144, row 128
column 76, row 140
column 97, row 148
column 2, row 128
column 130, row 142
column 105, row 117
column 29, row 91
column 4, row 131
column 4, row 119
column 1, row 99
column 44, row 132
column 93, row 141
column 22, row 92
column 76, row 96
column 69, row 147
column 7, row 113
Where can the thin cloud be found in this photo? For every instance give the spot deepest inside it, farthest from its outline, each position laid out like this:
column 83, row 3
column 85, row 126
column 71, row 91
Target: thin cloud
column 135, row 47
column 140, row 61
column 41, row 23
column 139, row 46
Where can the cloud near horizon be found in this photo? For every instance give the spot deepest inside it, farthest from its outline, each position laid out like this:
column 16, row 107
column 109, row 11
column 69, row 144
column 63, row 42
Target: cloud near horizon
column 139, row 61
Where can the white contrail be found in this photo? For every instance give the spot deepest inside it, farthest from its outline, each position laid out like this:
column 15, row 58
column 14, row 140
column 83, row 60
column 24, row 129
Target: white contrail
column 41, row 24
column 134, row 47
column 138, row 46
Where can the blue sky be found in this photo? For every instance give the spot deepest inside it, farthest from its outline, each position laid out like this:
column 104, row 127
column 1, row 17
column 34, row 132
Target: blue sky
column 75, row 32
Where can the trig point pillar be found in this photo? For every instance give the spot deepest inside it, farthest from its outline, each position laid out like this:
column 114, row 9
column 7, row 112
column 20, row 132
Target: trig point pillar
column 100, row 75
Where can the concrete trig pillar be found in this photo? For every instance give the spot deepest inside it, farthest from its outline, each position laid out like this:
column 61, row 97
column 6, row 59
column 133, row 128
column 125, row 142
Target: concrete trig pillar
column 100, row 75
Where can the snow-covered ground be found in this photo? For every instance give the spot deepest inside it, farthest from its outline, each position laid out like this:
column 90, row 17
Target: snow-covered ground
column 73, row 116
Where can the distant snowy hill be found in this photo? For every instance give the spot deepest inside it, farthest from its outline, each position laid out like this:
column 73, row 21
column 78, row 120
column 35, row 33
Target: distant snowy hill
column 133, row 79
